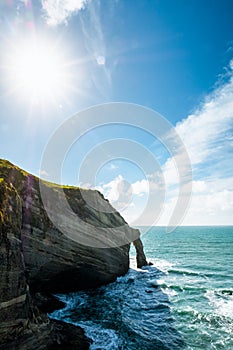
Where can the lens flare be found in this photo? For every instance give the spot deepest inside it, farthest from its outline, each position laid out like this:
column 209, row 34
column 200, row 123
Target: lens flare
column 37, row 70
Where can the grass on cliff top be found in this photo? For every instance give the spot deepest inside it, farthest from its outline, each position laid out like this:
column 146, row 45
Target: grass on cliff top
column 5, row 164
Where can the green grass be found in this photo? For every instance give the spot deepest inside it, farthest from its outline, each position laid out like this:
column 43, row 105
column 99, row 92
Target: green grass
column 5, row 164
column 57, row 186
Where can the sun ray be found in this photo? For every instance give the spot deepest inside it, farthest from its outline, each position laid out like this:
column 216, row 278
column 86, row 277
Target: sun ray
column 36, row 70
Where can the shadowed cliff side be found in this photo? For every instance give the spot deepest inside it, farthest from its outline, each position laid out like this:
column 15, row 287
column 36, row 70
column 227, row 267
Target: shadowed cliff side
column 140, row 255
column 36, row 257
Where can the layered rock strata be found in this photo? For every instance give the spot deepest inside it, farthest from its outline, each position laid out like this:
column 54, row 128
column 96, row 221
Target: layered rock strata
column 38, row 258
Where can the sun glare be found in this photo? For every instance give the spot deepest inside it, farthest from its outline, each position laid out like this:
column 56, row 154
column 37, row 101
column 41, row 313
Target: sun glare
column 38, row 71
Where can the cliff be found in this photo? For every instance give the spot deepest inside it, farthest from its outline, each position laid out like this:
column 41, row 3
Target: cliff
column 39, row 256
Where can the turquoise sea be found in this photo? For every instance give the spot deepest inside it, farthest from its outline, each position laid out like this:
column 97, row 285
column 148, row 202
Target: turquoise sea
column 183, row 301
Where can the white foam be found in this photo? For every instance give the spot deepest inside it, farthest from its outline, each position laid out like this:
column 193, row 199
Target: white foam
column 132, row 262
column 222, row 305
column 162, row 264
column 170, row 293
column 103, row 338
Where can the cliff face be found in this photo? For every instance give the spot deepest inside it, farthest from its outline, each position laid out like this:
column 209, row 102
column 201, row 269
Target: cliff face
column 37, row 257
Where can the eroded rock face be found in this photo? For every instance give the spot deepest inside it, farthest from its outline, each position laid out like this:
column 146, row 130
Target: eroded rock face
column 140, row 255
column 53, row 262
column 14, row 295
column 22, row 325
column 37, row 257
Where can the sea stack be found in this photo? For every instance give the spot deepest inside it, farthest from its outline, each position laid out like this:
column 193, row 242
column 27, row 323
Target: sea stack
column 38, row 259
column 140, row 255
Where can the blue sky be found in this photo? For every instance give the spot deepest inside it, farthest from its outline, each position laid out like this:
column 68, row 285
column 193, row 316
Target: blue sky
column 175, row 57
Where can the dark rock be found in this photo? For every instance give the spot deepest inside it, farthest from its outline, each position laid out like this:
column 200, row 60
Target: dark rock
column 47, row 303
column 50, row 335
column 140, row 255
column 37, row 259
column 67, row 336
column 14, row 292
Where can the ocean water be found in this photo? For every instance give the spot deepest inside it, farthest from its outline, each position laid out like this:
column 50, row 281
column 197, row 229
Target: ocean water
column 183, row 301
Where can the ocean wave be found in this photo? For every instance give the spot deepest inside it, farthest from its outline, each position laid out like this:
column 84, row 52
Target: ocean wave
column 221, row 301
column 103, row 338
column 179, row 287
column 131, row 313
column 201, row 326
column 185, row 272
column 161, row 264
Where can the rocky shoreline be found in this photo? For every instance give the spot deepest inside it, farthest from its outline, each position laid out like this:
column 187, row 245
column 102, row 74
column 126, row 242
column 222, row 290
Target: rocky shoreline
column 37, row 259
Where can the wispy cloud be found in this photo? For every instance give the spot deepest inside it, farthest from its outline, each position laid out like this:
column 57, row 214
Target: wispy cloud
column 95, row 43
column 208, row 137
column 112, row 166
column 59, row 11
column 207, row 131
column 92, row 29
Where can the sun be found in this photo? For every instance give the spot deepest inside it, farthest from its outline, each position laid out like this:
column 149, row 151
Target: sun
column 37, row 71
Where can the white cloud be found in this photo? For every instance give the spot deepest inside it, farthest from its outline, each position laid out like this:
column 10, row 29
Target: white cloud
column 111, row 189
column 199, row 186
column 96, row 47
column 207, row 136
column 231, row 64
column 59, row 11
column 170, row 172
column 204, row 132
column 131, row 199
column 118, row 192
column 211, row 208
column 113, row 166
column 101, row 60
column 118, row 187
column 43, row 173
column 140, row 187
